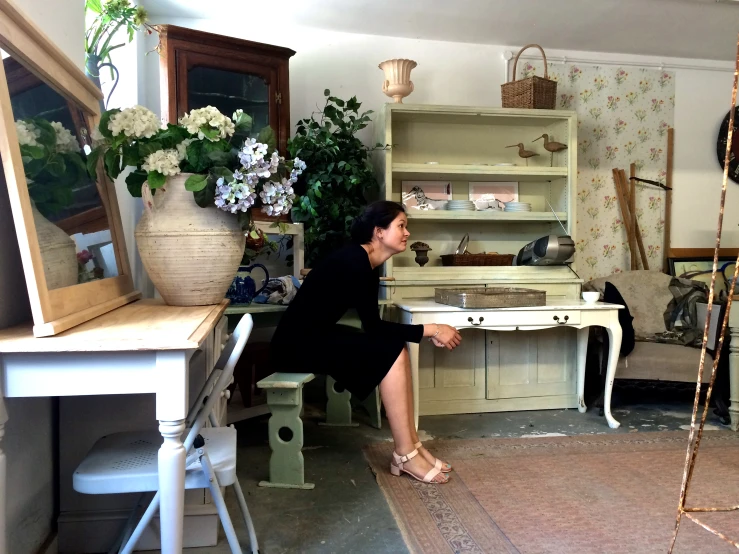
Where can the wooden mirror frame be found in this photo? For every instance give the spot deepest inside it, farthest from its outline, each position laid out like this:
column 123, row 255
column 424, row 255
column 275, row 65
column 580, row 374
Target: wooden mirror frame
column 59, row 309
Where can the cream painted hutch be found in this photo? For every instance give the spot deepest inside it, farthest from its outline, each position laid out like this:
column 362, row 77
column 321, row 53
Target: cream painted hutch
column 490, row 371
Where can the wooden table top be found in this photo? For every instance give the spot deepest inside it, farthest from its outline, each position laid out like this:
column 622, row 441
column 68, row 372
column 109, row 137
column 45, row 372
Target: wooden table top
column 142, row 325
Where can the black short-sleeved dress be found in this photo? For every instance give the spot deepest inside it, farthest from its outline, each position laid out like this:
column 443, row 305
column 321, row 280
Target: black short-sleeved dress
column 308, row 339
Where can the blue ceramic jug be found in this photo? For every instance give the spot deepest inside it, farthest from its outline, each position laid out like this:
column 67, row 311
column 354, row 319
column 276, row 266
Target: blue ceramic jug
column 243, row 289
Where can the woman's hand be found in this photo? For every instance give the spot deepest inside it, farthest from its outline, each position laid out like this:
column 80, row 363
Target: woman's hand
column 448, row 337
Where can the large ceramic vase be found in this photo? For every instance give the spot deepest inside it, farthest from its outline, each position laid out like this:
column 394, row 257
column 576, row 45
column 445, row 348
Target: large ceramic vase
column 397, row 84
column 190, row 253
column 58, row 252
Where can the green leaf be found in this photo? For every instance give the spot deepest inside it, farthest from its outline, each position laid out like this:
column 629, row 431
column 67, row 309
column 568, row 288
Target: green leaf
column 224, row 172
column 47, row 137
column 146, row 148
column 196, row 183
column 92, row 163
column 205, row 197
column 94, row 6
column 134, row 182
column 156, row 180
column 56, row 166
column 104, row 120
column 33, row 152
column 209, row 132
column 267, row 136
column 112, row 163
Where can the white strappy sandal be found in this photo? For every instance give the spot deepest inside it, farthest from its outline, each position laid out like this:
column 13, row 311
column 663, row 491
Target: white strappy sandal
column 396, row 468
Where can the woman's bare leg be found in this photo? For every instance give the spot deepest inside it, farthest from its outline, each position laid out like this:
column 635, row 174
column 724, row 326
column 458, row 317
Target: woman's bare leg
column 394, row 392
column 430, row 458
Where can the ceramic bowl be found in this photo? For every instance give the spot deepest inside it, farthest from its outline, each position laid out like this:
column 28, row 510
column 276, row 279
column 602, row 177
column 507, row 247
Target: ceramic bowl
column 591, row 297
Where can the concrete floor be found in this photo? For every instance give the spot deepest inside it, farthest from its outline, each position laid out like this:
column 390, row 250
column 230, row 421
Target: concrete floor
column 347, row 513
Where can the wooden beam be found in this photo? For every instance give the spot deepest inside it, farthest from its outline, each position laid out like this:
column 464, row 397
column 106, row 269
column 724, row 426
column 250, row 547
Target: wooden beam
column 668, row 198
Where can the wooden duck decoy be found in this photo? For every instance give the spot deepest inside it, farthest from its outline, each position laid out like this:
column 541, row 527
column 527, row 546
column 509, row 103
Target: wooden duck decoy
column 525, row 154
column 551, row 147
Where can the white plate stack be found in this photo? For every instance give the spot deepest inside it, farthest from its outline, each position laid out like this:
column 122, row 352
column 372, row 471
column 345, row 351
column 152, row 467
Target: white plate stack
column 517, row 207
column 461, row 205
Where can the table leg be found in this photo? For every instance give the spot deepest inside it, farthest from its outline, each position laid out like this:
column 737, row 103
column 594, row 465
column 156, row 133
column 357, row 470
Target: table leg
column 582, row 352
column 614, row 348
column 172, row 373
column 734, row 378
column 413, row 351
column 3, row 482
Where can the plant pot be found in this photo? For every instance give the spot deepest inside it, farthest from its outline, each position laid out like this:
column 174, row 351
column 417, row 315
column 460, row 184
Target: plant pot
column 190, row 253
column 58, row 252
column 397, row 84
column 258, row 215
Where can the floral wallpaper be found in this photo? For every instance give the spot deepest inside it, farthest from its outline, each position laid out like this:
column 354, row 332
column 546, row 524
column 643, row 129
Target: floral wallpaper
column 622, row 117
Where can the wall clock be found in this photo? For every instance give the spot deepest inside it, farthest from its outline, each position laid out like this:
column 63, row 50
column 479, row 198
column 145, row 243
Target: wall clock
column 721, row 145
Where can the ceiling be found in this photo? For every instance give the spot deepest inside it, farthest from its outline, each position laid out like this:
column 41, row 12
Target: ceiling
column 703, row 29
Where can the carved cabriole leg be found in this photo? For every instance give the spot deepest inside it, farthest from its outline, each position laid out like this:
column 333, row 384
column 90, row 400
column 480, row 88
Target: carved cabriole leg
column 286, row 465
column 339, row 406
column 3, row 477
column 582, row 353
column 614, row 347
column 734, row 378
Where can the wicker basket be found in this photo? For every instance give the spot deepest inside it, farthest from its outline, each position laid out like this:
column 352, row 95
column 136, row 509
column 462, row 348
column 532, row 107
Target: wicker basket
column 532, row 92
column 476, row 259
column 491, row 297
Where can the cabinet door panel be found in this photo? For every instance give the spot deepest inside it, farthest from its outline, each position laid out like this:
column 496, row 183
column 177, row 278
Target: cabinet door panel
column 531, row 363
column 453, row 375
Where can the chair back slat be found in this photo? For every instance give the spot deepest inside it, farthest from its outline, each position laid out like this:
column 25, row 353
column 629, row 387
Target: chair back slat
column 224, row 368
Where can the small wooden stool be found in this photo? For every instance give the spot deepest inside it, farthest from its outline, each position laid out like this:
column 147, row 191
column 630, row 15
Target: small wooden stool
column 285, row 401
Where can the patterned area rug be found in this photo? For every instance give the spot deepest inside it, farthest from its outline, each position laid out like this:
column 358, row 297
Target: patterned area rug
column 580, row 494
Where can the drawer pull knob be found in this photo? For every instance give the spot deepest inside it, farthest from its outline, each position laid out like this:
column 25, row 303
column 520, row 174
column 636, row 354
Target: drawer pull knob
column 566, row 319
column 481, row 319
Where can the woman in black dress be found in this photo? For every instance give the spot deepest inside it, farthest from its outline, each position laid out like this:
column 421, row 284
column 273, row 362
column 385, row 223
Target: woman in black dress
column 309, row 340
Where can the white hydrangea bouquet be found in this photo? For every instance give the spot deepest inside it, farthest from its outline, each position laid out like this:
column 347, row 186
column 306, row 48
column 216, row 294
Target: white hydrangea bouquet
column 229, row 170
column 52, row 162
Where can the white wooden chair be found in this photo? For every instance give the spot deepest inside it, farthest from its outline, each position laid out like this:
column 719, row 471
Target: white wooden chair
column 127, row 462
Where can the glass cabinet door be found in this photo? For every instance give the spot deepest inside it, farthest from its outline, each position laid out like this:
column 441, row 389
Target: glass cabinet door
column 229, row 85
column 229, row 91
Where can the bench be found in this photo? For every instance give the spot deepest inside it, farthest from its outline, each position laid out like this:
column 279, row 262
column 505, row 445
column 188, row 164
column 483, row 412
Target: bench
column 285, row 401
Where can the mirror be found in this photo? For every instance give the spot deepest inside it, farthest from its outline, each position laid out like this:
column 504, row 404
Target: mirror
column 67, row 225
column 70, row 218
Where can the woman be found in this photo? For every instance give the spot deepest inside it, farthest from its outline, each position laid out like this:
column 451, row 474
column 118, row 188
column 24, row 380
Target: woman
column 308, row 338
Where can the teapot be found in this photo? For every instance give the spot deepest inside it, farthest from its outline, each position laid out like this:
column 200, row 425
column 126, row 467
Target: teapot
column 243, row 289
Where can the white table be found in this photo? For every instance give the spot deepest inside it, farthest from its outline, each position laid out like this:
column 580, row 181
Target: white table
column 144, row 347
column 556, row 313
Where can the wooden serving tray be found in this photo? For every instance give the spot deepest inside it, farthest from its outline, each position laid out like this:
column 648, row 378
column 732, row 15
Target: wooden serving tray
column 491, row 297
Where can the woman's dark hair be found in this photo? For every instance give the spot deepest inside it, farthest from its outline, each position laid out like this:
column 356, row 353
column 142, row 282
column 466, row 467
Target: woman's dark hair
column 378, row 214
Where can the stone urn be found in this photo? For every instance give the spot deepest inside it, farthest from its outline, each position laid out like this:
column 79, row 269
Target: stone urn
column 190, row 253
column 397, row 84
column 58, row 252
column 421, row 249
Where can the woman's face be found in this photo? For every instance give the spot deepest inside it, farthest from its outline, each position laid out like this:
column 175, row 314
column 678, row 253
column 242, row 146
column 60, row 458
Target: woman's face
column 395, row 237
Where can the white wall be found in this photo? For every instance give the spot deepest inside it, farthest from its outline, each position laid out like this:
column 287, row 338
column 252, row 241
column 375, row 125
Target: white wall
column 470, row 74
column 29, row 433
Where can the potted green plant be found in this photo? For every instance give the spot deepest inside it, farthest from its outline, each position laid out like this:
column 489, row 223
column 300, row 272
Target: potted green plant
column 108, row 18
column 339, row 180
column 200, row 180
